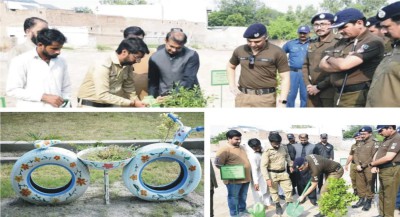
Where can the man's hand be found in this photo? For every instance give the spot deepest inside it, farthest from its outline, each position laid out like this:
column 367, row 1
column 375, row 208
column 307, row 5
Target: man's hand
column 359, row 168
column 234, row 89
column 312, row 89
column 257, row 187
column 291, row 169
column 269, row 183
column 138, row 103
column 301, row 199
column 160, row 99
column 53, row 100
column 374, row 170
column 346, row 167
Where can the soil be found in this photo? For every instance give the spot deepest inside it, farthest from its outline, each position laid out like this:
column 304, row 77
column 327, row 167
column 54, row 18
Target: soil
column 123, row 203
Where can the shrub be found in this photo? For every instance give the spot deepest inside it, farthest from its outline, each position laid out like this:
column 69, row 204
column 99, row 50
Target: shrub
column 182, row 97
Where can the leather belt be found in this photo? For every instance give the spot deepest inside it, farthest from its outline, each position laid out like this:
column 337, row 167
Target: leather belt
column 93, row 104
column 354, row 87
column 390, row 164
column 257, row 91
column 276, row 171
column 295, row 69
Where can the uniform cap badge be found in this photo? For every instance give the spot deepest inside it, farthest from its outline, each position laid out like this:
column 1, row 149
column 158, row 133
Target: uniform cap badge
column 381, row 14
column 256, row 35
column 321, row 16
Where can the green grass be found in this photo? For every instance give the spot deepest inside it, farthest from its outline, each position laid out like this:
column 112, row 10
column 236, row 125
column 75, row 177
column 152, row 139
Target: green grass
column 151, row 172
column 88, row 125
column 166, row 209
column 56, row 176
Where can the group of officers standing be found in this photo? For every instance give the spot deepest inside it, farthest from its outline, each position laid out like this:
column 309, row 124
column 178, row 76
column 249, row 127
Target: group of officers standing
column 353, row 62
column 281, row 169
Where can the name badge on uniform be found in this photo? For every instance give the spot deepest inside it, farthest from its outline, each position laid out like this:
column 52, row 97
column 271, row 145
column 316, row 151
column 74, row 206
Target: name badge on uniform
column 393, row 146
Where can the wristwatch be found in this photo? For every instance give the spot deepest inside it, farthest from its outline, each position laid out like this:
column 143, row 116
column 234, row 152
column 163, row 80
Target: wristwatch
column 283, row 101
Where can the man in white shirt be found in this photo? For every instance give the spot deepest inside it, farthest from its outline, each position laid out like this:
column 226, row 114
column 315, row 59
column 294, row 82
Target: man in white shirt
column 39, row 78
column 259, row 186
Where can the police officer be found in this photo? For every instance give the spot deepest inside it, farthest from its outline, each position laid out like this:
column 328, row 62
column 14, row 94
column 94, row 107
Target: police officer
column 350, row 158
column 316, row 165
column 362, row 157
column 324, row 149
column 387, row 164
column 374, row 27
column 354, row 57
column 302, row 150
column 259, row 61
column 319, row 88
column 273, row 169
column 297, row 50
column 385, row 87
column 292, row 154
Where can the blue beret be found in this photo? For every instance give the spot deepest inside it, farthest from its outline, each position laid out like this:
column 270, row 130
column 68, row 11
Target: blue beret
column 322, row 16
column 290, row 136
column 365, row 129
column 388, row 11
column 303, row 29
column 298, row 162
column 255, row 31
column 356, row 134
column 380, row 127
column 345, row 16
column 372, row 21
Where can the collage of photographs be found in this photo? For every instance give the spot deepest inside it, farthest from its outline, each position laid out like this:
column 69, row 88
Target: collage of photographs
column 203, row 108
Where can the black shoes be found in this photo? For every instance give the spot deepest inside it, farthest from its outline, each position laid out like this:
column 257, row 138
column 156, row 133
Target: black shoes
column 294, row 192
column 319, row 215
column 360, row 203
column 314, row 202
column 279, row 210
column 367, row 205
column 355, row 192
column 282, row 197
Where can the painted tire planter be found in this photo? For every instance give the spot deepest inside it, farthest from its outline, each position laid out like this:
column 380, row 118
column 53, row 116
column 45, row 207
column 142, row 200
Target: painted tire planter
column 189, row 177
column 28, row 190
column 101, row 165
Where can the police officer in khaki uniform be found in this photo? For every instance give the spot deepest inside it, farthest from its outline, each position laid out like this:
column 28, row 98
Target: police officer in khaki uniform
column 319, row 88
column 387, row 164
column 362, row 157
column 259, row 61
column 353, row 60
column 385, row 87
column 110, row 83
column 273, row 169
column 374, row 27
column 317, row 165
column 350, row 158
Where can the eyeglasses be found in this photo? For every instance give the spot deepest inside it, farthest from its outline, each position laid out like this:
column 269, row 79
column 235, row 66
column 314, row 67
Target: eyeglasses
column 320, row 25
column 137, row 57
column 176, row 30
column 252, row 60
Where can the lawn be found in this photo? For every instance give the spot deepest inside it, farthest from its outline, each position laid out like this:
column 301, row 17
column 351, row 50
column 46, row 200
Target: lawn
column 24, row 126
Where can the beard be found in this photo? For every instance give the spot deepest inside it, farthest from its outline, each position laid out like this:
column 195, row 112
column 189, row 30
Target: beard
column 276, row 147
column 46, row 54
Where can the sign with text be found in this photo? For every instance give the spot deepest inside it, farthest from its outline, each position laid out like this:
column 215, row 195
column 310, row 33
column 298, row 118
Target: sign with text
column 232, row 172
column 219, row 77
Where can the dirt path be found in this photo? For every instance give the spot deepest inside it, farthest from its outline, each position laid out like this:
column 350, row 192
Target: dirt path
column 123, row 203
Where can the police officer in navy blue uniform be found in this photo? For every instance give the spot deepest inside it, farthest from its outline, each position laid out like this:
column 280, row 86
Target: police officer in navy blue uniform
column 297, row 50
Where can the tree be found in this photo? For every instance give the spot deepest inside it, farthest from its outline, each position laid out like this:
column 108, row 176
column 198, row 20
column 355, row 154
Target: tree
column 217, row 18
column 266, row 15
column 282, row 29
column 235, row 20
column 348, row 134
column 368, row 7
column 221, row 136
column 335, row 6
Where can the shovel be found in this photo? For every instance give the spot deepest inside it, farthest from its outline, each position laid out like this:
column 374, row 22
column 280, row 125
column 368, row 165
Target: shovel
column 293, row 209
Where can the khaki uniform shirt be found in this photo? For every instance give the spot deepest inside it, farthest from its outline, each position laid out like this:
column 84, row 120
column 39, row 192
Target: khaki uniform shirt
column 234, row 155
column 365, row 152
column 270, row 59
column 109, row 82
column 369, row 48
column 390, row 144
column 318, row 165
column 353, row 148
column 312, row 74
column 385, row 87
column 274, row 159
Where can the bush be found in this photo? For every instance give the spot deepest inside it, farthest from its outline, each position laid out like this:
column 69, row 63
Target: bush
column 334, row 202
column 181, row 97
column 219, row 137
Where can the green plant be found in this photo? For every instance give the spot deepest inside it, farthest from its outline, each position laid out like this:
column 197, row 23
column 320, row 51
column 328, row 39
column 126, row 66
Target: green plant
column 182, row 97
column 334, row 202
column 219, row 137
column 101, row 47
column 166, row 126
column 110, row 153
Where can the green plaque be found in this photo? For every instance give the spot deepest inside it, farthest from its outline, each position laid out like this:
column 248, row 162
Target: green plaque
column 219, row 77
column 232, row 172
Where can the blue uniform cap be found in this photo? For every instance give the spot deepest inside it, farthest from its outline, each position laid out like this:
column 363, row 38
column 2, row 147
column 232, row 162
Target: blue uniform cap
column 322, row 16
column 298, row 162
column 303, row 29
column 388, row 11
column 398, row 129
column 365, row 129
column 372, row 21
column 380, row 127
column 345, row 16
column 256, row 30
column 290, row 136
column 356, row 135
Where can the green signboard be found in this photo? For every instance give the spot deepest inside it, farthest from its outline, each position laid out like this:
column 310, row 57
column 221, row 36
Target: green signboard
column 219, row 77
column 232, row 172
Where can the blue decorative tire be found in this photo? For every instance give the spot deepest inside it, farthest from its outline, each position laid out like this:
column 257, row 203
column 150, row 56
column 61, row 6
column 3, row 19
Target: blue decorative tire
column 28, row 190
column 188, row 179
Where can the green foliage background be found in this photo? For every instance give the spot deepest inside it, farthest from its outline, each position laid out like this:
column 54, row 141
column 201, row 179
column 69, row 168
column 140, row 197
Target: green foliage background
column 282, row 26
